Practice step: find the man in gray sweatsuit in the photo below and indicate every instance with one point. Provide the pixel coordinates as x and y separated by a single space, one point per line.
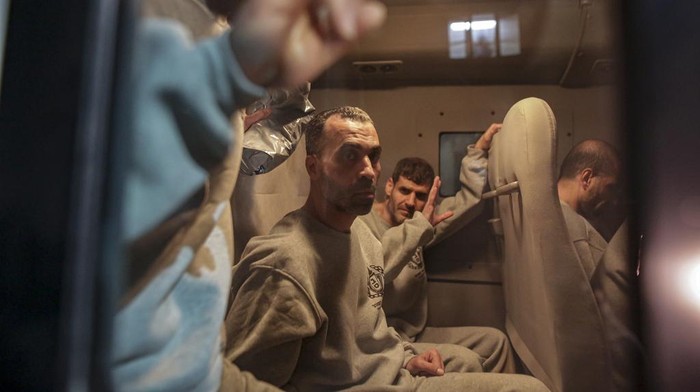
397 223
589 192
306 299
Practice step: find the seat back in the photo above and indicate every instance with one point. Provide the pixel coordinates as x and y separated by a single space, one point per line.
551 314
260 201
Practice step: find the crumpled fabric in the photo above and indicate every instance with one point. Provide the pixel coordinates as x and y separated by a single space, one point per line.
270 141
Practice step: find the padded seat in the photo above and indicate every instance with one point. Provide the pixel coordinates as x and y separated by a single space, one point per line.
261 201
552 316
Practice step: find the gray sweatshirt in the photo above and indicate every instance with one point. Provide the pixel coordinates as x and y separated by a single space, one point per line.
589 244
306 311
406 300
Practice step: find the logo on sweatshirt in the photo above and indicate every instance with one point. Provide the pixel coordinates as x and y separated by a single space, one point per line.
375 281
416 260
416 263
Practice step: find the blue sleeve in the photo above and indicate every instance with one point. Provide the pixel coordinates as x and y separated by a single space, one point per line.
174 120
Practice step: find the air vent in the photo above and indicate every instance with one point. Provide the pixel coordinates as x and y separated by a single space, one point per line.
377 67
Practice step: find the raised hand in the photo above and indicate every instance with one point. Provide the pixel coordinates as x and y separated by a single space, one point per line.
429 209
484 142
288 42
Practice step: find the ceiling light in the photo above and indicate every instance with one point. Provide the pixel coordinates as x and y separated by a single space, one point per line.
483 24
459 26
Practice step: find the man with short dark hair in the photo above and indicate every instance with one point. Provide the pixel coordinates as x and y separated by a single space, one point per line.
404 235
589 192
406 190
306 311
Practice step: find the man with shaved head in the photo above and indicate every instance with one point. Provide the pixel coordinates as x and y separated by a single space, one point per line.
589 191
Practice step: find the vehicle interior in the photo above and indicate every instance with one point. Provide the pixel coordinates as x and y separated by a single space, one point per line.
436 75
419 89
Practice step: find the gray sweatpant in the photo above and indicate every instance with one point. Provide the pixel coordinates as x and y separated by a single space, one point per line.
490 344
462 374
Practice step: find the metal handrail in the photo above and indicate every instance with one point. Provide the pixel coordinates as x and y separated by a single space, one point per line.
502 190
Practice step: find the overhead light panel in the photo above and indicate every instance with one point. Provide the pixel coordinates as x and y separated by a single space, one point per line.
460 26
484 36
483 24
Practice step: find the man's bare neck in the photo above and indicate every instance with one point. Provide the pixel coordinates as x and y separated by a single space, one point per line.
329 216
381 208
567 194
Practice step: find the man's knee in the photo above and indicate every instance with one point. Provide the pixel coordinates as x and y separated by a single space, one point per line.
529 383
487 382
507 383
495 336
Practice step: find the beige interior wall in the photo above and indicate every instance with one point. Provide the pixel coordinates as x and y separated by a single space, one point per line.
464 286
409 120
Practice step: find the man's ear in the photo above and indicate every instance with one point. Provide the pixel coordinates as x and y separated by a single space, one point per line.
585 178
389 187
312 167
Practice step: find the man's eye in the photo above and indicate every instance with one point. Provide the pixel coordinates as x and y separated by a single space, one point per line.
374 157
351 155
404 191
422 196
